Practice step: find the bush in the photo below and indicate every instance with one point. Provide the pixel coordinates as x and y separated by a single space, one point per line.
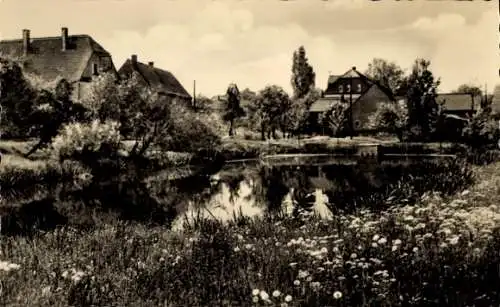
191 132
77 140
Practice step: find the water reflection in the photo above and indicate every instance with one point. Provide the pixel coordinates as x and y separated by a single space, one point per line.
251 189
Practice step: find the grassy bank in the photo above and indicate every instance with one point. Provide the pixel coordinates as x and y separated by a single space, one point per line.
441 251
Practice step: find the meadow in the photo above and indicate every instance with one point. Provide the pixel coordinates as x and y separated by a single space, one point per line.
440 251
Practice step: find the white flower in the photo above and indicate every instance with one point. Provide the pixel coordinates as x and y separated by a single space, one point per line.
288 298
337 295
396 242
255 292
296 282
382 241
376 237
255 299
236 249
276 293
324 250
454 240
264 296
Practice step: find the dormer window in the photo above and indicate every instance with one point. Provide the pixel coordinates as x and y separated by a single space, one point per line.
341 89
95 70
359 88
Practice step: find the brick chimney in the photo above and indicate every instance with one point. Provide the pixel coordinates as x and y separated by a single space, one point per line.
64 38
26 41
134 59
151 64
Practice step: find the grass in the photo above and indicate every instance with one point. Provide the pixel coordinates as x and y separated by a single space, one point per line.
442 251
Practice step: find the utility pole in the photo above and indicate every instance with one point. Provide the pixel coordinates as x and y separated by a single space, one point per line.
194 95
350 105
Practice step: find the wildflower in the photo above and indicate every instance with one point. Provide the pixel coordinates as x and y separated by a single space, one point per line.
292 264
324 250
277 244
303 274
315 284
354 256
309 278
7 266
236 249
248 246
288 298
46 291
415 249
454 240
337 295
296 282
374 245
264 296
276 293
255 299
382 241
161 259
255 292
376 237
394 248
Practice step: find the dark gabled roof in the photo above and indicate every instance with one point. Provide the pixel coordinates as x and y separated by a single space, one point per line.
47 59
353 73
458 101
156 78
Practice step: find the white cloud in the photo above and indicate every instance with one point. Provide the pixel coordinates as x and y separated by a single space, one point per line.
442 22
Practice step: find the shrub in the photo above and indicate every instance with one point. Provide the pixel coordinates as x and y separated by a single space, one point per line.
190 132
77 140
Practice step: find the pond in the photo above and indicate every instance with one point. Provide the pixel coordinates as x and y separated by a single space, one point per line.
326 186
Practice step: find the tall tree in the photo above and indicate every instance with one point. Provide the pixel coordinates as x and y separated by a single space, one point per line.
303 75
423 109
233 108
335 118
389 74
16 99
272 103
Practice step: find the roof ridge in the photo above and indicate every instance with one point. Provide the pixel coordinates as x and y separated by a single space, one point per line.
45 38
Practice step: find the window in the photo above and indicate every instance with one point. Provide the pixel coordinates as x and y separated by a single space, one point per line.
341 88
359 88
348 88
95 71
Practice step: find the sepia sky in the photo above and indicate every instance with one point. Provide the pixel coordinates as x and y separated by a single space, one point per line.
251 42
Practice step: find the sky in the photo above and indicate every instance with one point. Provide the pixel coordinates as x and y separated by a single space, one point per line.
251 42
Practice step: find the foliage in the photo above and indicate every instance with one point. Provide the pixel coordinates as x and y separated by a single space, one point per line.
303 75
390 117
423 110
469 89
85 140
388 74
189 131
54 107
233 109
335 118
482 130
17 98
272 103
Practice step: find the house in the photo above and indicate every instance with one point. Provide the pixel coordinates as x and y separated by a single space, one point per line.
352 88
76 58
155 78
459 104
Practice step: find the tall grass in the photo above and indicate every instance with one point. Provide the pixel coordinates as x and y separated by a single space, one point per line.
441 252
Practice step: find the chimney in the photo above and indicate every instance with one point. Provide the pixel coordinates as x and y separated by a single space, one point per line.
354 68
26 41
64 38
134 59
151 64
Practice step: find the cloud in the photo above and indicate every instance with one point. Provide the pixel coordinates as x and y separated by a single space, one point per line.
442 22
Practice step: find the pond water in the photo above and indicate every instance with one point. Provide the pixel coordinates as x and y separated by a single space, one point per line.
325 187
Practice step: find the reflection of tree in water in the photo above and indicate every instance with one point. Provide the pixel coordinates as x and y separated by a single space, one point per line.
303 197
268 188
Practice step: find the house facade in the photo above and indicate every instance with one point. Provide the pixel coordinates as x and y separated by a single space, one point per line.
356 91
76 58
159 80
